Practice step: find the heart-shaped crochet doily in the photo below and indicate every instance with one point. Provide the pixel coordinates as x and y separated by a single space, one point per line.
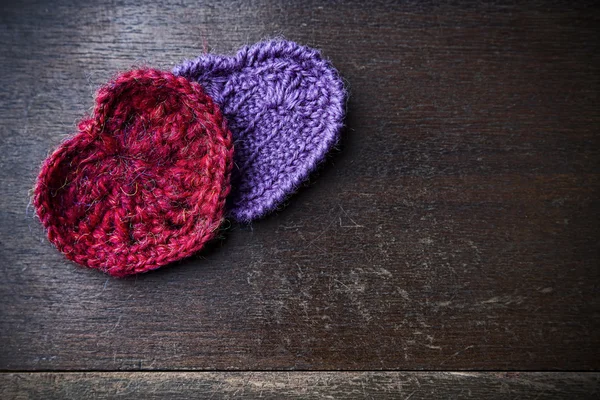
284 105
144 181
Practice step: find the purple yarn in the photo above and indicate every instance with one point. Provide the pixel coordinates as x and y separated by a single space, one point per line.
284 105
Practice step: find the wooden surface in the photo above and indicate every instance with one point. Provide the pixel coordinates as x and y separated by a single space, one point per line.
457 228
300 385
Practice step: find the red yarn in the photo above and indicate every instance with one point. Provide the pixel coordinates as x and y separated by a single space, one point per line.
144 181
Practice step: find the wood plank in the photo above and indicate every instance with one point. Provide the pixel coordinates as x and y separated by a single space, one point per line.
300 385
458 227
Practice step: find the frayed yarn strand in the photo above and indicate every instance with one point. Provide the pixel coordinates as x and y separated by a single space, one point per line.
144 181
285 107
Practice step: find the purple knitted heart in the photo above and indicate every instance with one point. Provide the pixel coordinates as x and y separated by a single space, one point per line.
284 105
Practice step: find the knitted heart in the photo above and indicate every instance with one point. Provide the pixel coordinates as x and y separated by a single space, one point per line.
284 105
144 181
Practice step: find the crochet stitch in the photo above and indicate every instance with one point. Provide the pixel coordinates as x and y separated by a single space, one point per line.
144 182
284 105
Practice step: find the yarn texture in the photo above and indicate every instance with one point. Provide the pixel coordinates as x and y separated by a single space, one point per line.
285 107
144 181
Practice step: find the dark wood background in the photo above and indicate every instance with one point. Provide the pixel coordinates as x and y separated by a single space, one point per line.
457 229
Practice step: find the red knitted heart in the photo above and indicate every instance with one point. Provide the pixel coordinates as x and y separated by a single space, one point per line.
144 181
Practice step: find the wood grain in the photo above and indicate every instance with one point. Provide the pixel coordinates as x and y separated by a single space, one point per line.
300 385
457 228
